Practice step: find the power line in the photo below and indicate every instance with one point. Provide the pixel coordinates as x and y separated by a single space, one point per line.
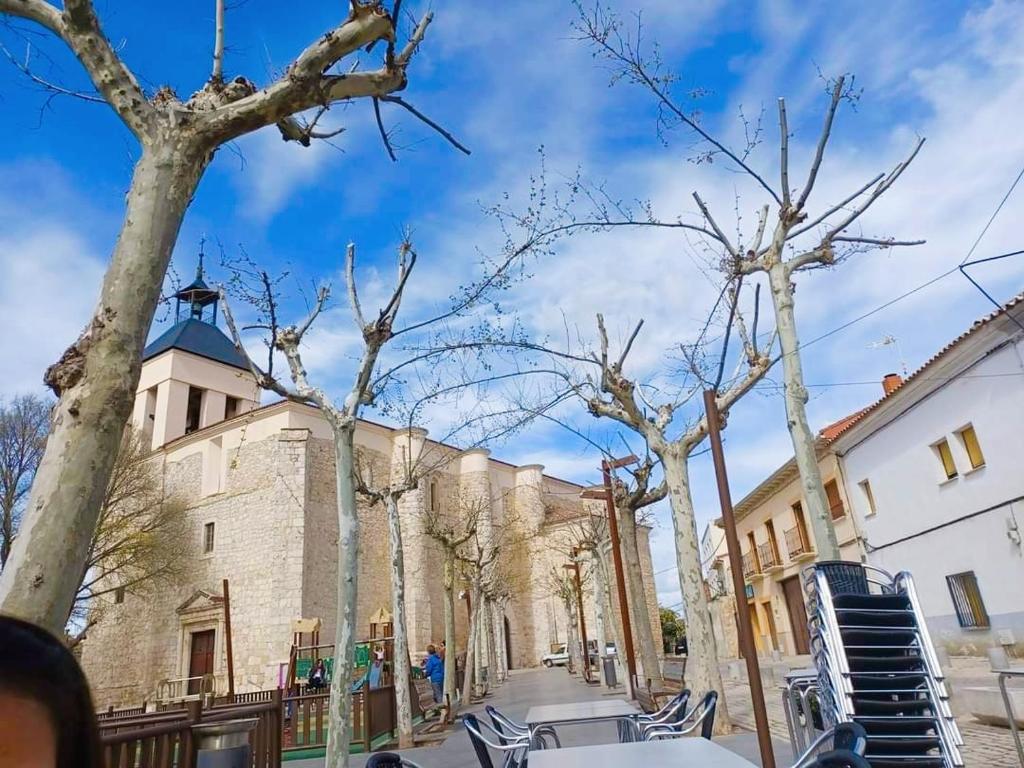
995 213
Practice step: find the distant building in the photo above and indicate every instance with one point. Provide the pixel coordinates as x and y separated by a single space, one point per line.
935 471
777 541
259 483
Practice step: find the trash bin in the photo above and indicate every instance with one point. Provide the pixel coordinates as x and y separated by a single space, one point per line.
609 671
224 744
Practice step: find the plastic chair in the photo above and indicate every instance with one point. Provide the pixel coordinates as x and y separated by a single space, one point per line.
389 760
515 750
845 737
504 723
702 715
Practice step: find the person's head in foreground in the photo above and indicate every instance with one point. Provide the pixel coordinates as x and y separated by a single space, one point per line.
46 714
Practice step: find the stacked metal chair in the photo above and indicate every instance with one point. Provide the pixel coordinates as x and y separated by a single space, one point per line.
877 666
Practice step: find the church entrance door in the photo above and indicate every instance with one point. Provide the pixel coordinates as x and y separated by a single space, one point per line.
200 658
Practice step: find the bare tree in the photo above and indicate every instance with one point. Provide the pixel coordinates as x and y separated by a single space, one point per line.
24 424
141 541
563 587
798 240
630 499
96 378
452 532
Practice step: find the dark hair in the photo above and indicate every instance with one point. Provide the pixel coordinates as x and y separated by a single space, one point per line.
36 665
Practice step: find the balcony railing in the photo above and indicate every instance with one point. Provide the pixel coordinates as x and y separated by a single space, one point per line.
749 564
796 543
766 554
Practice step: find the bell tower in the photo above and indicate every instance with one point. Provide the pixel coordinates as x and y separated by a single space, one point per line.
192 375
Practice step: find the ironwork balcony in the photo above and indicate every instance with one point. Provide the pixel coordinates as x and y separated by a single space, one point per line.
797 545
749 565
769 560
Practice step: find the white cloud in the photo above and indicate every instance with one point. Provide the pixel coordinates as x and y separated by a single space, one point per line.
52 272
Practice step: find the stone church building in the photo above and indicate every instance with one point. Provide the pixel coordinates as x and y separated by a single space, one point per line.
259 485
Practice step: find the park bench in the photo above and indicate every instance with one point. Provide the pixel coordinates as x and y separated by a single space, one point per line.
651 698
425 697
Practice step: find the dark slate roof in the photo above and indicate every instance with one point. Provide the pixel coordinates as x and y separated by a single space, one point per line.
199 338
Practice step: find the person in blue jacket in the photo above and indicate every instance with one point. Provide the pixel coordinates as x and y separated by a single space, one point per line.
434 671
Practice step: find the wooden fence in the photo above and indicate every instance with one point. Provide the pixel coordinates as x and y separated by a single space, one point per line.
306 716
165 739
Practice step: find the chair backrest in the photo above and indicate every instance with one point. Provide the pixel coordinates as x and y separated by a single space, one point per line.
384 760
473 729
839 758
682 700
496 717
844 578
851 737
709 705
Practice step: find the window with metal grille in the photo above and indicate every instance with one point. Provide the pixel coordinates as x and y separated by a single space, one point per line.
208 532
970 608
969 440
119 595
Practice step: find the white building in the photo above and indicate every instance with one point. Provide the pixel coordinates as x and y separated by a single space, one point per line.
935 474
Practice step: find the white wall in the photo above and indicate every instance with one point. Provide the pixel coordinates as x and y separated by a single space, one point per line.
912 495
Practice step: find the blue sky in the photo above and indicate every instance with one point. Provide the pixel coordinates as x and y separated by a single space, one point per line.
506 81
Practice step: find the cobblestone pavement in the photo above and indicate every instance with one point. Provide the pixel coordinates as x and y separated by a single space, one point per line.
984 746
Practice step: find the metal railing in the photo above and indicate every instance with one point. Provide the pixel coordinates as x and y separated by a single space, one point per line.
749 564
1011 715
766 554
796 542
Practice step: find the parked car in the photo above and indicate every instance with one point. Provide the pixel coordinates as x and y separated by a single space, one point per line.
559 657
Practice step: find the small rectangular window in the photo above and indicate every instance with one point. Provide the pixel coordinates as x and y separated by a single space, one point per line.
970 608
230 407
945 455
435 497
194 409
208 533
119 595
835 501
869 497
969 440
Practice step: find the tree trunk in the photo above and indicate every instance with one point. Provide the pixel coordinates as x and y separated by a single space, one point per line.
491 646
339 734
96 379
403 696
702 670
495 642
804 448
637 596
471 641
572 644
599 618
450 678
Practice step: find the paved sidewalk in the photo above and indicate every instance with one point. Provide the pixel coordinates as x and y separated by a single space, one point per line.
984 745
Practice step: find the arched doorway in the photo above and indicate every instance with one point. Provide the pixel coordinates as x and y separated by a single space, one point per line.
508 643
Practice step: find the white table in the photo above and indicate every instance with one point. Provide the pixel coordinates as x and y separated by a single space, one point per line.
603 710
679 753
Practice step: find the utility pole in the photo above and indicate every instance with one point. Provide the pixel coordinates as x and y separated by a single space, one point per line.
764 737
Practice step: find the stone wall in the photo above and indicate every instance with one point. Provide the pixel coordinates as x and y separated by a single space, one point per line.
258 543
